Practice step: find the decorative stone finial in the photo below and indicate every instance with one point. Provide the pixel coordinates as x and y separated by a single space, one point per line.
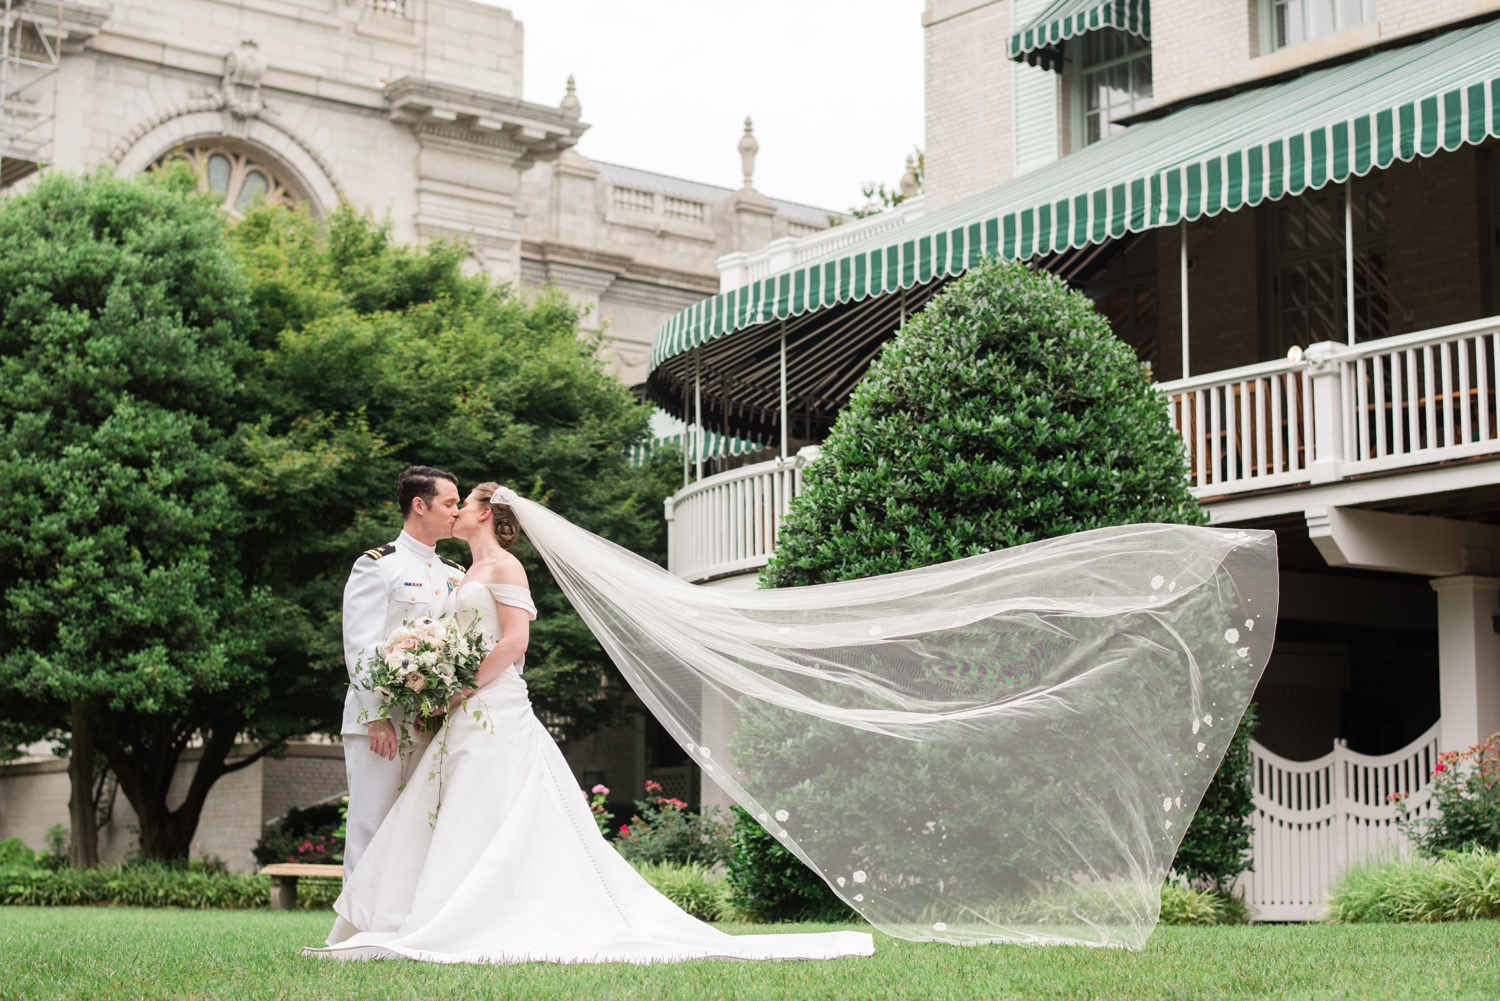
748 148
240 91
245 65
909 179
570 105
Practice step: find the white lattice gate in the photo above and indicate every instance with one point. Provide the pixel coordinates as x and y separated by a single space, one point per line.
1314 818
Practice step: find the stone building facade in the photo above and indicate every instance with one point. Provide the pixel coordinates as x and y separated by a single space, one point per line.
634 247
411 110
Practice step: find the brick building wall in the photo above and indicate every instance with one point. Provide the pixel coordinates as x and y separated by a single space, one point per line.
1433 259
1208 44
969 114
34 796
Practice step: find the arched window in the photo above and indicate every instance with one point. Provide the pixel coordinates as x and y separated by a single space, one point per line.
241 178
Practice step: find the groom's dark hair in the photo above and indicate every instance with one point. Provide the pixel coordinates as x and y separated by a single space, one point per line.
419 481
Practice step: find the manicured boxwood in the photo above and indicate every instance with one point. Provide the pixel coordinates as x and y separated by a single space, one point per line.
769 883
1004 413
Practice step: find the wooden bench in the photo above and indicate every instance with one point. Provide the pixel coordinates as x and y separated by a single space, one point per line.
284 876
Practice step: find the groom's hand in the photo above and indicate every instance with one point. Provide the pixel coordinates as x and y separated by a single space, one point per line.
383 738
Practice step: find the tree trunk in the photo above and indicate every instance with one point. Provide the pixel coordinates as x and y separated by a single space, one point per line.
146 780
83 817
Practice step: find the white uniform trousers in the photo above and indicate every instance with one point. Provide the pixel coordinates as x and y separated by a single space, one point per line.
374 784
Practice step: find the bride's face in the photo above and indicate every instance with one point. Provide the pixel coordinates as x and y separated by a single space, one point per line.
474 516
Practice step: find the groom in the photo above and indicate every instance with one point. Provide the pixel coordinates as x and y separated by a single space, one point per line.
401 581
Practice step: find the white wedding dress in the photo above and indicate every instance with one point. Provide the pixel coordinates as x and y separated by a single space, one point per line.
513 868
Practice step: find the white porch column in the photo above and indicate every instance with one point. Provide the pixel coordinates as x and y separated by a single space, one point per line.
1328 411
1468 658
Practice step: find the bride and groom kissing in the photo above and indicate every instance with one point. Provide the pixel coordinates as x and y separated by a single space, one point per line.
513 868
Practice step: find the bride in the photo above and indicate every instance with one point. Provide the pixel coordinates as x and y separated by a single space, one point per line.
491 855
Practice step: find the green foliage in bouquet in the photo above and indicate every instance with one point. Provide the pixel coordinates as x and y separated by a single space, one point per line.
311 835
1466 801
769 883
419 669
666 830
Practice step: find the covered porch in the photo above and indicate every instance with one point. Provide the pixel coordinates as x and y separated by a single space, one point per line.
1310 273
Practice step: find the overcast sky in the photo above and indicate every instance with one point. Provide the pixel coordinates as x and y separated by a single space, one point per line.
834 86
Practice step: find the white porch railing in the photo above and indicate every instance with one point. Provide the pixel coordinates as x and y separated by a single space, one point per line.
726 524
744 267
1341 411
1314 818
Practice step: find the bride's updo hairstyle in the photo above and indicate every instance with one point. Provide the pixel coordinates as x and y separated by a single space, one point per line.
502 519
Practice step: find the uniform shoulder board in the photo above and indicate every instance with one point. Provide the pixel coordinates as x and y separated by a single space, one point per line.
457 566
385 550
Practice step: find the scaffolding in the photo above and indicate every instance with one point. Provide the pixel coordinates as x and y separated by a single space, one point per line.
31 37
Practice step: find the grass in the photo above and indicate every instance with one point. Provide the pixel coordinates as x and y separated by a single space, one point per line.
60 952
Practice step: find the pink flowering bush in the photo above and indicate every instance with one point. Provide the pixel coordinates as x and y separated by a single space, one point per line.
665 829
597 797
1466 794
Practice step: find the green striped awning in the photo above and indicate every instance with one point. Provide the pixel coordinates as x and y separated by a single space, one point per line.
668 430
1283 139
1040 42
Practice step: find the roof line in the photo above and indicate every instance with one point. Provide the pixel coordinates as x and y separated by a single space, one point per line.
728 192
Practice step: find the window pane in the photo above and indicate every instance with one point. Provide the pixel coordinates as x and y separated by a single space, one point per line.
218 173
1296 22
252 191
1319 17
1142 74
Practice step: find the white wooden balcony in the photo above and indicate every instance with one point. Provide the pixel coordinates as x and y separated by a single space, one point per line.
725 525
1340 411
1331 415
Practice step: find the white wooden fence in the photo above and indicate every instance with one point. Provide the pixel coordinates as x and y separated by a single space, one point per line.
1342 410
1314 818
726 524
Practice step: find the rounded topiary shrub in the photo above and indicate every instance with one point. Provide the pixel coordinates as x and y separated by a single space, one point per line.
1003 413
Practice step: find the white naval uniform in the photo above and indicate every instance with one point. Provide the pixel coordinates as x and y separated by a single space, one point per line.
397 583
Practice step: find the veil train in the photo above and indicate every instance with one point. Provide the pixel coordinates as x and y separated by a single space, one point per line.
1008 747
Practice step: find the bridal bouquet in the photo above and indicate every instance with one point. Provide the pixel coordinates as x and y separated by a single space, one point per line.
420 668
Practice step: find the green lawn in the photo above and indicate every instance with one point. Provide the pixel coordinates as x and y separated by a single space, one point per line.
129 953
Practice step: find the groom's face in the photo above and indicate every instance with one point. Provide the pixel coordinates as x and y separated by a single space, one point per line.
438 513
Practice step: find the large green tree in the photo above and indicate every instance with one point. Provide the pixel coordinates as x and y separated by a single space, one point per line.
200 427
125 623
377 355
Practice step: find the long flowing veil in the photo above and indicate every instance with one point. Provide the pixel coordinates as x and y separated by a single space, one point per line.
1003 748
